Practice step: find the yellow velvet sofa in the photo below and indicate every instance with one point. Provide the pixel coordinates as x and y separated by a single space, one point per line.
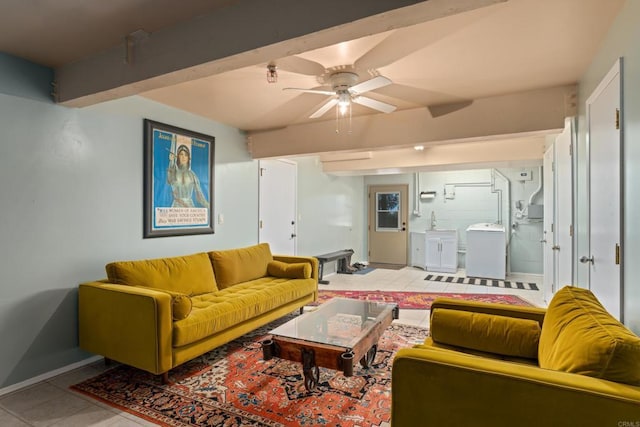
496 365
157 314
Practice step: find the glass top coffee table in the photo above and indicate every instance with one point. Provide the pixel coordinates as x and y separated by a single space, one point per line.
332 336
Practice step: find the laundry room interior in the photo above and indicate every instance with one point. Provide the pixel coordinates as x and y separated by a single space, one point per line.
486 204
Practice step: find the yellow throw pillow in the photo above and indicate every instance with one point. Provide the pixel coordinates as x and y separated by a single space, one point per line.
490 333
581 337
181 306
191 274
298 270
235 266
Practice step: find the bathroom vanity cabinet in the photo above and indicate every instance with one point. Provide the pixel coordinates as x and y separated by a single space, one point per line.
441 250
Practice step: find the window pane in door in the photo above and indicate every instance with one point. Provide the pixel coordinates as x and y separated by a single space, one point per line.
388 211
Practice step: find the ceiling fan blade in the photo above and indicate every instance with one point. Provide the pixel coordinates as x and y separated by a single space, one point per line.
372 103
326 107
371 84
418 95
441 110
298 65
321 92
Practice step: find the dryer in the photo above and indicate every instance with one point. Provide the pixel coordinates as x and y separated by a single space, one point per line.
486 255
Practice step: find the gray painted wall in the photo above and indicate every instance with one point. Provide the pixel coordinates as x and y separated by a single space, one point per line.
620 42
71 190
25 79
71 184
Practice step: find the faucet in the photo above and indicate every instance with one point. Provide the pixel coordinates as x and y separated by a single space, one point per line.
433 220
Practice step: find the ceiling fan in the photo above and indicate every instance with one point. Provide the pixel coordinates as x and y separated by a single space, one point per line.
347 90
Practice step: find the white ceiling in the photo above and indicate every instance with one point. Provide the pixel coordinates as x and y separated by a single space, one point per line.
508 47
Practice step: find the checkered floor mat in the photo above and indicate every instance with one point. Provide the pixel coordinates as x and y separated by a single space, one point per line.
483 282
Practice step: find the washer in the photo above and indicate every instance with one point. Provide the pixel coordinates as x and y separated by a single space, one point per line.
486 251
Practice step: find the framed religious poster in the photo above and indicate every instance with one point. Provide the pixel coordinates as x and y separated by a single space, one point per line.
178 181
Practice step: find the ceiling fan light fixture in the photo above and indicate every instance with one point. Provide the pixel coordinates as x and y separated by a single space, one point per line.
344 102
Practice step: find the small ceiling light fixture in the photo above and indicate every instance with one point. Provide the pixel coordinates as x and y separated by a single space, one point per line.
418 147
343 108
272 73
344 102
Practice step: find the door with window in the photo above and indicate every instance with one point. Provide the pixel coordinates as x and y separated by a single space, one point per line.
388 234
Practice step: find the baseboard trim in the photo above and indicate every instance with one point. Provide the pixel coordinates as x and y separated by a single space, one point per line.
48 375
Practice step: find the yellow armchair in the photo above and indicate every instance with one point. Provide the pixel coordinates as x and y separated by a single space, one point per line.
456 379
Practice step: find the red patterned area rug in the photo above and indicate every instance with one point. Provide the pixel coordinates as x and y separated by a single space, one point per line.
419 300
233 386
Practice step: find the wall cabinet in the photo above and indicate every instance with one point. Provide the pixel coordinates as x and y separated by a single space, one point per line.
441 250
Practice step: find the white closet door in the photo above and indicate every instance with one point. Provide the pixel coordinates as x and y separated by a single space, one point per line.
278 179
603 119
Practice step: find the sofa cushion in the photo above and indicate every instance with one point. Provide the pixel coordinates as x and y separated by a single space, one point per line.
190 275
217 311
432 345
235 266
296 270
490 333
580 336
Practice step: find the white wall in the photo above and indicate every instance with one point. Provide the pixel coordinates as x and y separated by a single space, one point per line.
621 41
338 203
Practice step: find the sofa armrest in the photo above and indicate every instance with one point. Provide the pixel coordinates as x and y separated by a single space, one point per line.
521 312
128 324
438 387
295 259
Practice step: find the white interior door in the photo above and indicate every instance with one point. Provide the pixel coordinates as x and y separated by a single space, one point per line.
278 205
548 239
604 143
563 231
558 213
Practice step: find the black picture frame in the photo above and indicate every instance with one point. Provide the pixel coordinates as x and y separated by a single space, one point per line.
178 181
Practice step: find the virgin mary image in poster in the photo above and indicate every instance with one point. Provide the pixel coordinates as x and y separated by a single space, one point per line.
182 172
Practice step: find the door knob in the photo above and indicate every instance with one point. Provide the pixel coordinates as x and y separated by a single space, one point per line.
584 259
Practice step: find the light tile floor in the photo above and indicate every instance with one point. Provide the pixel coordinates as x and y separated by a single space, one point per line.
51 403
412 279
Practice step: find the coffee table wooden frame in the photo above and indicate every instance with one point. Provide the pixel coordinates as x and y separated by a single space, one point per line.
314 354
